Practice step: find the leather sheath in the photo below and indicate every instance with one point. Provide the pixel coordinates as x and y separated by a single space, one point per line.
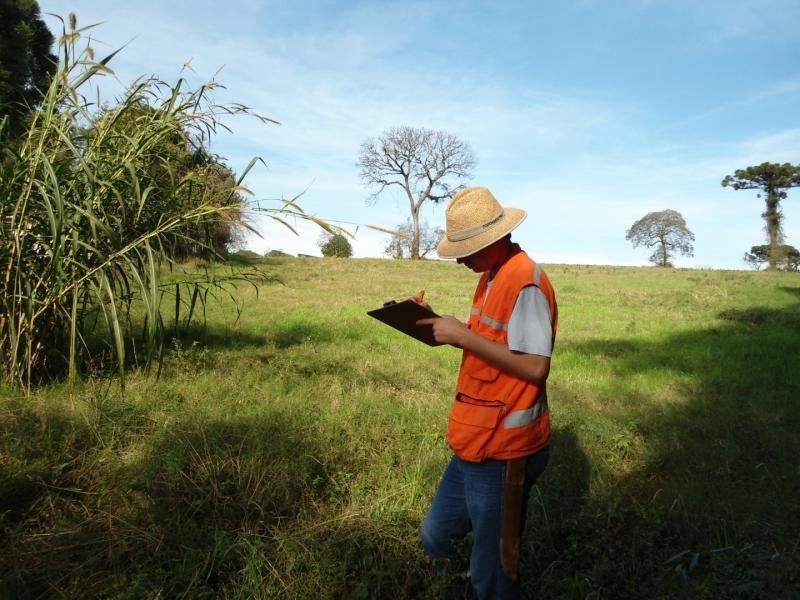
512 516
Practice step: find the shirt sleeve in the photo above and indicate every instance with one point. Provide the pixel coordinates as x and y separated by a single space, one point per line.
530 329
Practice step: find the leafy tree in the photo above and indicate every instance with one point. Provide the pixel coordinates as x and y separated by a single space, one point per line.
213 182
425 164
400 245
26 63
184 166
773 180
335 244
787 258
666 232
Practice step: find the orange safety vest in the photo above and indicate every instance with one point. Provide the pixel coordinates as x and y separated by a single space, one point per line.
495 414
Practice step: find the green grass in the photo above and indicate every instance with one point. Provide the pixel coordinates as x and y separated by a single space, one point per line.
291 451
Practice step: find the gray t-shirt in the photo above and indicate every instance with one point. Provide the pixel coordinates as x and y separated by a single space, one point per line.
530 329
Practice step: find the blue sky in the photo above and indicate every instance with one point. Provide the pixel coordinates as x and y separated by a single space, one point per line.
587 114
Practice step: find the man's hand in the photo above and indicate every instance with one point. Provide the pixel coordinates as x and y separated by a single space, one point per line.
420 299
447 329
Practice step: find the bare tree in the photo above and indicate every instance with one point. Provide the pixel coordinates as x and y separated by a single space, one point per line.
425 164
666 231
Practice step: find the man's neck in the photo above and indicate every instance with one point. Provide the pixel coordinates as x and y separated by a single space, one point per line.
504 252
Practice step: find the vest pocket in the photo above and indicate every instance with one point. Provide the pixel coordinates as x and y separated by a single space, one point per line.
470 427
479 369
487 373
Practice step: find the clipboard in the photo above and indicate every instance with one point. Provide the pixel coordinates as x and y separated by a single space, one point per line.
403 316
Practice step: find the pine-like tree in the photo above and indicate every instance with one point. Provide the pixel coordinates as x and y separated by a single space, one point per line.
26 61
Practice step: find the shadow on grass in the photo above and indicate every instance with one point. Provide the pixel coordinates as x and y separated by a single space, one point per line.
299 332
35 448
194 347
214 337
715 508
362 557
559 498
181 516
214 508
282 335
795 291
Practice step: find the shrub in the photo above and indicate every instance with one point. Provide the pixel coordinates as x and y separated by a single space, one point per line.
276 254
335 245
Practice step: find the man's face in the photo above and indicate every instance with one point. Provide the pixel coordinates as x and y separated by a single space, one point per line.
481 261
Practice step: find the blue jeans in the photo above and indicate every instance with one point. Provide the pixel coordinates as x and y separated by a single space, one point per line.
470 498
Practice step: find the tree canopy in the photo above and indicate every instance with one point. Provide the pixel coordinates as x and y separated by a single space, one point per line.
772 179
666 232
786 259
424 164
184 173
335 245
26 62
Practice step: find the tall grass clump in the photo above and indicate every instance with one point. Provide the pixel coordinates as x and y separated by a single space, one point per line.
93 204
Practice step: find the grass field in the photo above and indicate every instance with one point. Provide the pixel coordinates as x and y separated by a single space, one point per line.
292 450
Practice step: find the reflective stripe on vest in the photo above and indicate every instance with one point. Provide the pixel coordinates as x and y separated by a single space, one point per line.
520 418
499 325
494 324
496 414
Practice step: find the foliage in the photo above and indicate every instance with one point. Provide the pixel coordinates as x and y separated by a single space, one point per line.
293 452
786 259
424 164
666 232
183 157
92 204
244 257
335 245
399 246
276 254
26 63
772 179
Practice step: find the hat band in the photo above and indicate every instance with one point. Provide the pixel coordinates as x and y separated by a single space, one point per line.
464 234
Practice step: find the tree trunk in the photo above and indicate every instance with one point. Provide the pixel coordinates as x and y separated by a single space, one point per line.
773 219
415 234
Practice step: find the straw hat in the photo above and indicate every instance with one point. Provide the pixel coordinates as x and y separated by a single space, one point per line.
475 220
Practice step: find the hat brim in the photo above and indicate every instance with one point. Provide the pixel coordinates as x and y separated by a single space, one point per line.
511 218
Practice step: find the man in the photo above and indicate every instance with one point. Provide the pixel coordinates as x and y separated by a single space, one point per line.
499 425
